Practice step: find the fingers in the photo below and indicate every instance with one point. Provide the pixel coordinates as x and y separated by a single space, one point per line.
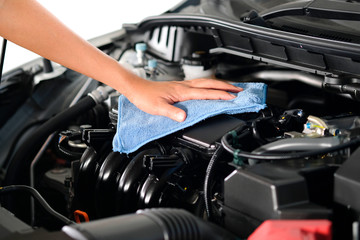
212 84
205 94
168 110
172 112
158 97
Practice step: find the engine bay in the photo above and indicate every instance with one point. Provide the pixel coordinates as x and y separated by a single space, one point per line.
295 159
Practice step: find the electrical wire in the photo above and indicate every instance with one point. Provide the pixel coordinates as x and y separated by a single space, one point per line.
39 198
207 182
286 156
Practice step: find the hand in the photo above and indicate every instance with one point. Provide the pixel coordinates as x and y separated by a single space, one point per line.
157 97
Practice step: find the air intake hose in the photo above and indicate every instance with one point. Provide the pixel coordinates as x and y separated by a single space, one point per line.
153 224
53 124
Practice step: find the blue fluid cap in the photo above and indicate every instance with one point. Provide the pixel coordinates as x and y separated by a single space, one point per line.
141 47
152 63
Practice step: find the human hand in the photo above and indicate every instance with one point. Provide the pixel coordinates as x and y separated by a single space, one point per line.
157 98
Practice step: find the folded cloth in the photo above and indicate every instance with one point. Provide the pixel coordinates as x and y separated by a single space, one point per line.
135 128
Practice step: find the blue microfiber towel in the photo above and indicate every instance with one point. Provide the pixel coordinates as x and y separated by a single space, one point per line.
135 128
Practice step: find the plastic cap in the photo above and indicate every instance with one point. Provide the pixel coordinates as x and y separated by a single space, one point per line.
152 63
140 47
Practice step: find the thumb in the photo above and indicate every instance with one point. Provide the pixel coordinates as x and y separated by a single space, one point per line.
172 112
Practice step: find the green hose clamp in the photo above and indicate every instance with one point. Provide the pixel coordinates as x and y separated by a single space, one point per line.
238 160
234 138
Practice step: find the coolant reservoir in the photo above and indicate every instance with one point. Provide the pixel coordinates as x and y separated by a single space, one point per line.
199 65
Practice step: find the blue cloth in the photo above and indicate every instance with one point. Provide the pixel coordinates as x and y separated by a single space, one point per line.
135 128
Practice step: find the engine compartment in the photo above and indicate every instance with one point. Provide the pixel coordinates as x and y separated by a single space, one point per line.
235 171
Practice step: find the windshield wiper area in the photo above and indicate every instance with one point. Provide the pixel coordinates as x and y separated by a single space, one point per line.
324 9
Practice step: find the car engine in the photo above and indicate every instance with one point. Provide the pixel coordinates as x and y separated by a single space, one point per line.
295 159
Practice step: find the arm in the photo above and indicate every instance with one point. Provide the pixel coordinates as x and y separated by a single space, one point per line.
28 24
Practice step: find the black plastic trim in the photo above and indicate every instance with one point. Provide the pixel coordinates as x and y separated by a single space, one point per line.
296 50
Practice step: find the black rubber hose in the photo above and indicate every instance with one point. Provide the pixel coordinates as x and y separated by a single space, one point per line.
59 121
153 224
285 156
18 136
256 132
39 198
3 51
47 66
208 180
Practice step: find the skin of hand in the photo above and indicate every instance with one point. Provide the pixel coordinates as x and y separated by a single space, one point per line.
28 24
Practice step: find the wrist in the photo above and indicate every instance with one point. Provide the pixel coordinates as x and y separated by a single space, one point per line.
127 83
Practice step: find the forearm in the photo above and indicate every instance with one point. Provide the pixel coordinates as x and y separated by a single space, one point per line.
28 24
